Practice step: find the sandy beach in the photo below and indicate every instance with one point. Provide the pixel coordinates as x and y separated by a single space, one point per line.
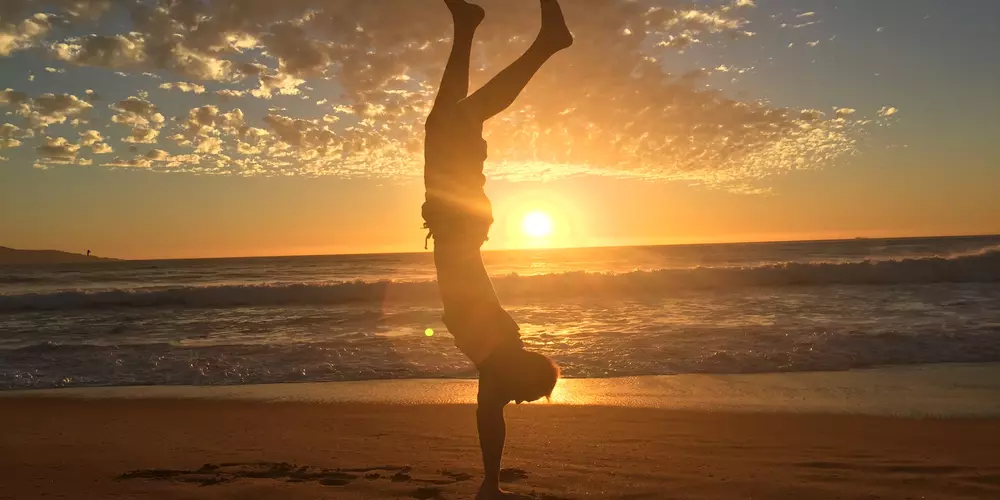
197 448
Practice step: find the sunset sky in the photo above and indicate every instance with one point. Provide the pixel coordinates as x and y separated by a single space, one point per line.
209 128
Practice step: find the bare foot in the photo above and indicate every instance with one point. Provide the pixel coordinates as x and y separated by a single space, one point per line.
466 14
555 35
495 493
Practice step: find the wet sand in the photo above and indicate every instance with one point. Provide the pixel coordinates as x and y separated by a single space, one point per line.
238 449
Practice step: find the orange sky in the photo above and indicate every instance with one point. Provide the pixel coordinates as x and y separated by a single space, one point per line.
729 121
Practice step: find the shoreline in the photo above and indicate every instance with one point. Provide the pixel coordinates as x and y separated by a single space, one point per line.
915 391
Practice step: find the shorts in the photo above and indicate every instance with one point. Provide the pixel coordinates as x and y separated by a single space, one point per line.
448 226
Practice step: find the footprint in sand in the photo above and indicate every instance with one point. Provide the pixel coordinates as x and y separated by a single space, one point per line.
513 475
426 493
213 474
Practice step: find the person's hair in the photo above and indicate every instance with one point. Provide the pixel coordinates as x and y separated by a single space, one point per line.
530 376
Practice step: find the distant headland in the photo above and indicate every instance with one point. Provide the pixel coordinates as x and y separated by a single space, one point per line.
11 256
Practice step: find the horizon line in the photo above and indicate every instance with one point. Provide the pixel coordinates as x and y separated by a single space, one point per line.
555 248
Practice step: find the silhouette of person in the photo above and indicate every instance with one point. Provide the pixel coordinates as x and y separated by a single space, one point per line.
88 253
458 216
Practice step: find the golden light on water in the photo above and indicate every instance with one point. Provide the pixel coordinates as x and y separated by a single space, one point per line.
537 224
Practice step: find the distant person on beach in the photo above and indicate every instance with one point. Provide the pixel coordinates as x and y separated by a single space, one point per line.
88 253
458 216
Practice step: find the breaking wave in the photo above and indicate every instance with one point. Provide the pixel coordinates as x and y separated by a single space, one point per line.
979 267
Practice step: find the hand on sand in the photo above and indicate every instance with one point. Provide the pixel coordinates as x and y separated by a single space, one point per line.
466 14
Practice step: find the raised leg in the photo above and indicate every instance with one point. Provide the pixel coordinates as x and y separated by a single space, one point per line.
455 82
501 92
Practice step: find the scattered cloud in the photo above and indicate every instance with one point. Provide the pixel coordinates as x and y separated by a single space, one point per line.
811 115
193 88
845 112
58 149
887 111
107 51
157 155
8 136
50 109
142 135
227 94
94 140
10 96
143 118
24 35
349 84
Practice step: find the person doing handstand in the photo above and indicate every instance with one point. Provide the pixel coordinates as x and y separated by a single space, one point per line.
458 216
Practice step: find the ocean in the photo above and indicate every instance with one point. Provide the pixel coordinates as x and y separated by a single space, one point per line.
604 312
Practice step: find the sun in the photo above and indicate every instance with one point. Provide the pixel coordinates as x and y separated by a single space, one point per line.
537 225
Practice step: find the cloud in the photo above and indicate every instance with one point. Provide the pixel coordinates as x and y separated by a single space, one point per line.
157 155
800 25
50 109
281 83
298 53
138 162
8 136
707 21
25 34
227 94
136 111
138 50
94 140
372 69
142 135
57 149
811 114
301 133
209 121
844 112
887 111
10 96
87 9
193 88
142 116
679 42
108 51
209 145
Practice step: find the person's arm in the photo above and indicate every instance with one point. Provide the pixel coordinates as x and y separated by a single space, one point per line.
492 436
